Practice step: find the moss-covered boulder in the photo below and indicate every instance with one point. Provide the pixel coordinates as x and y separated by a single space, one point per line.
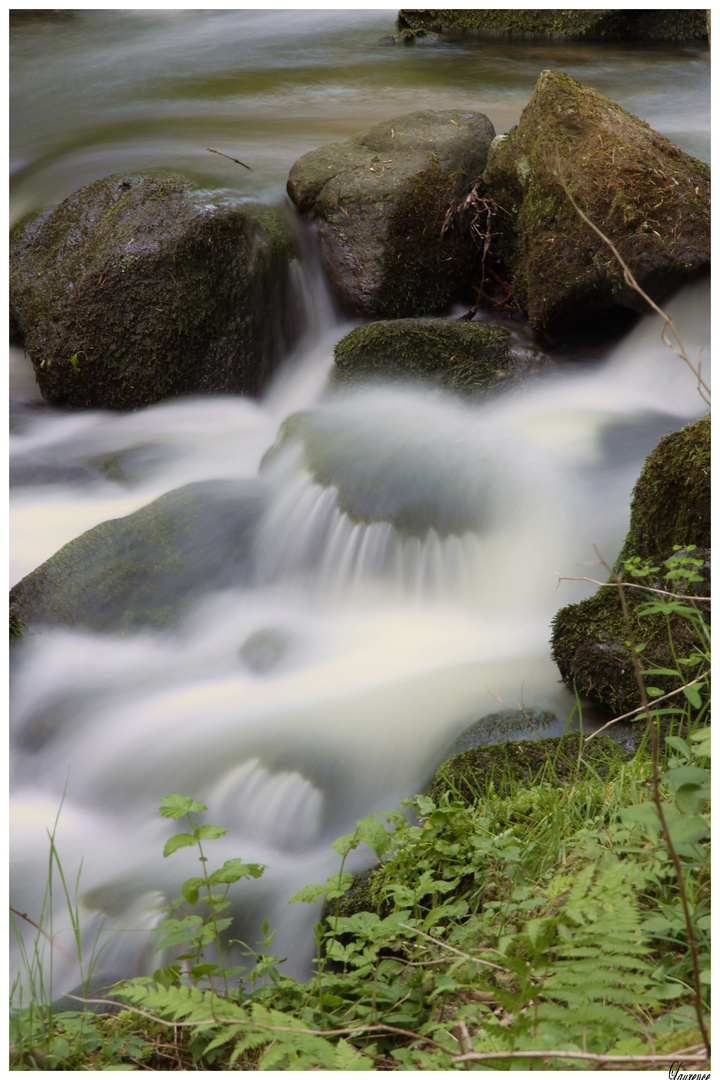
381 200
647 196
470 774
670 506
145 569
454 354
671 500
591 24
137 288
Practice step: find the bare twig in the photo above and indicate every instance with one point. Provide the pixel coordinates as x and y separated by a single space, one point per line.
450 948
690 1056
633 585
678 348
656 701
228 156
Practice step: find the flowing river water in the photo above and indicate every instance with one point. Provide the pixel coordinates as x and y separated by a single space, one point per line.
333 676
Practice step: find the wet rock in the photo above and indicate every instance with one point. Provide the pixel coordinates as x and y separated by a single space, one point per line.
647 196
147 568
591 24
670 506
505 724
453 354
406 36
381 201
138 288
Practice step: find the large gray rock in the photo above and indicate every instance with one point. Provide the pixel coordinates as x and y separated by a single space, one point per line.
145 569
138 288
647 196
381 201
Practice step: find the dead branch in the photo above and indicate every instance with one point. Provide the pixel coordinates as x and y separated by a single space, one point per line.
228 156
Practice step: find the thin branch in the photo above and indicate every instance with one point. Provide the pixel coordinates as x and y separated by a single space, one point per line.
229 1021
678 348
222 154
656 701
633 585
690 1055
450 948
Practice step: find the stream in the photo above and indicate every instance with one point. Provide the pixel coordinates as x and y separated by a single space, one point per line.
331 680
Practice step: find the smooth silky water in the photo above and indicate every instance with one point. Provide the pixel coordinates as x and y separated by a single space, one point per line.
385 612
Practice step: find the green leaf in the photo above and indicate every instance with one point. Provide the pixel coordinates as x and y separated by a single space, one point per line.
692 799
335 887
679 745
373 833
692 693
345 844
688 830
210 832
199 970
177 806
234 869
686 774
180 840
191 888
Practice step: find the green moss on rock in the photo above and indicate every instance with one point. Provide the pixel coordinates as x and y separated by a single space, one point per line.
592 24
649 197
504 766
456 355
135 289
145 569
671 500
423 269
670 505
17 626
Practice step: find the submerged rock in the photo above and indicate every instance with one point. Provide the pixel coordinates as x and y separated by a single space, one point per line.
590 24
454 354
647 196
670 506
381 201
499 726
145 569
136 289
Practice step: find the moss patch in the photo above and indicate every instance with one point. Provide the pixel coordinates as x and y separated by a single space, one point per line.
670 505
671 500
422 268
456 355
470 774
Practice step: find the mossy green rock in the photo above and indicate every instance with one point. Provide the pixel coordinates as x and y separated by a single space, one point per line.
671 499
137 288
381 201
592 24
454 354
647 196
145 569
470 774
670 505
